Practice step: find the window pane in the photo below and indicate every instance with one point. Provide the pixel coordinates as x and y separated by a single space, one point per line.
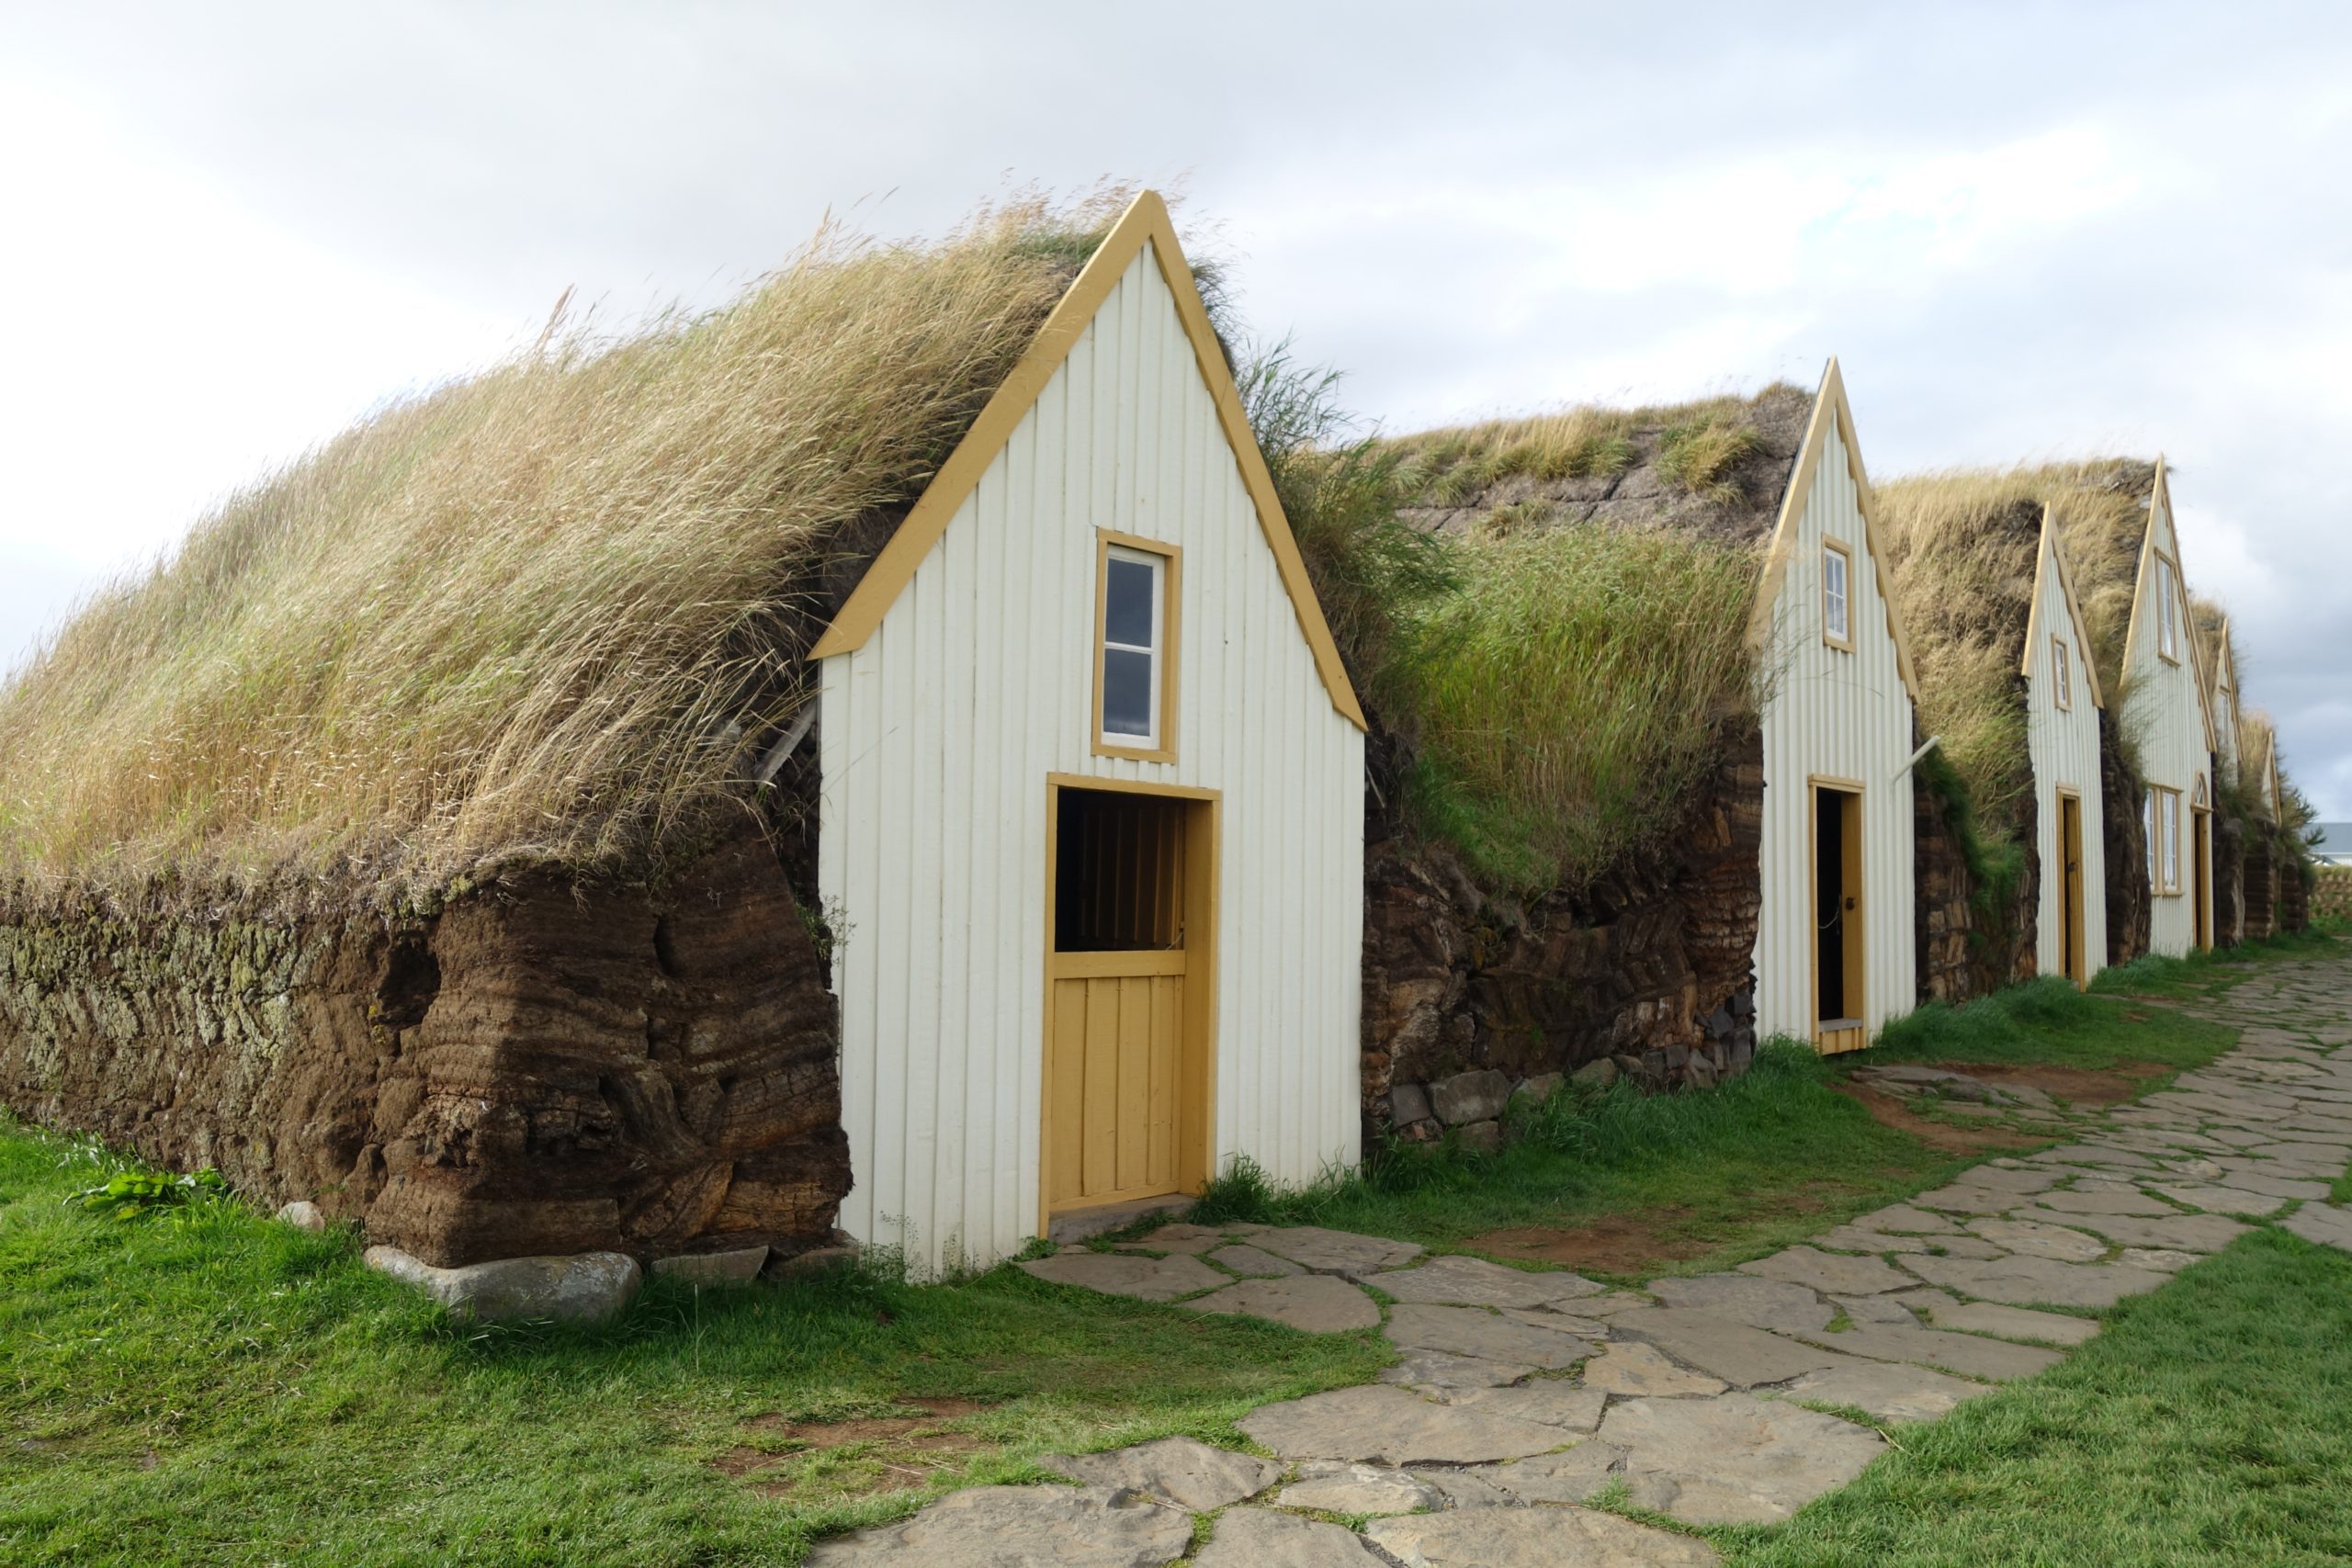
1833 566
1128 602
1126 693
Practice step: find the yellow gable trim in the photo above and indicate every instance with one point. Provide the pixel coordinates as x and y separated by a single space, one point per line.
2160 501
1145 222
2052 556
1830 411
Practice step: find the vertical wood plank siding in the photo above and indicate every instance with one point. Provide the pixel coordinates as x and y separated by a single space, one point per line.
2063 745
937 736
1835 715
2161 709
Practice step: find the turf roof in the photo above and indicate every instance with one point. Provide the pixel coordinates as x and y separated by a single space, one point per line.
1715 468
551 612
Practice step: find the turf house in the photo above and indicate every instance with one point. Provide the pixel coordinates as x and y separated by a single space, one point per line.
1659 739
2130 553
873 740
2012 848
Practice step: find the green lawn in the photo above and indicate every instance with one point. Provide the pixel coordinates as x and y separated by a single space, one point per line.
216 1389
2210 974
2212 1423
221 1389
1770 1157
2048 1022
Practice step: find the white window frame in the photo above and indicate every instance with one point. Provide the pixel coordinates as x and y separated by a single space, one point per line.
2167 611
1842 636
2062 669
1166 563
2148 834
2164 842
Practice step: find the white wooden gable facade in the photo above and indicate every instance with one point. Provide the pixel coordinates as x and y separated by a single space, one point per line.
2063 701
969 708
2168 708
1837 752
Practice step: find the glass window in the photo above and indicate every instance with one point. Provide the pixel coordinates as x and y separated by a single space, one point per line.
2172 840
2065 675
1836 618
1135 620
2167 616
2148 834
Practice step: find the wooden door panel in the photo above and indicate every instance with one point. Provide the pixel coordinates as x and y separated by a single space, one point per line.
1117 1039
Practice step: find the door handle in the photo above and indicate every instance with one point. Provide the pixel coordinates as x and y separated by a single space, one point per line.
1849 903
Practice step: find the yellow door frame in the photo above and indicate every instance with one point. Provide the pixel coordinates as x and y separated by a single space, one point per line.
1854 915
2073 943
1196 1061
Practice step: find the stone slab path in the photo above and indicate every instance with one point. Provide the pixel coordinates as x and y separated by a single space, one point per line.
1715 1399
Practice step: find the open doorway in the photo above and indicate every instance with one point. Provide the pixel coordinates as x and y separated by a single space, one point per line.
1838 968
1130 995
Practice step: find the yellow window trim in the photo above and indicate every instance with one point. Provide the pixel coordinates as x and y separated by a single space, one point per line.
1843 552
1145 222
2062 667
2164 799
1172 598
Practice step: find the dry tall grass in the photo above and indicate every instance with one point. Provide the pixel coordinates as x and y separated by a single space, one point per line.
1962 546
1570 699
552 610
1698 443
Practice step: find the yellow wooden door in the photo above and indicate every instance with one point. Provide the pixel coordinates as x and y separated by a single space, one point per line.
2070 846
1118 1039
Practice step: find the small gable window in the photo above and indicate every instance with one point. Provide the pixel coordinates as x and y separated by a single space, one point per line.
2062 673
1135 648
2168 611
1837 595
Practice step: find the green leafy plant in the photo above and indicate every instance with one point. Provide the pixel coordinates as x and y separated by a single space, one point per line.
141 1194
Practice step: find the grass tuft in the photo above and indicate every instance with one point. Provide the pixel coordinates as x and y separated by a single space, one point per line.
1572 695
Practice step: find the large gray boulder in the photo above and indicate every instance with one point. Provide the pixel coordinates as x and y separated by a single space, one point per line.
1470 1097
586 1287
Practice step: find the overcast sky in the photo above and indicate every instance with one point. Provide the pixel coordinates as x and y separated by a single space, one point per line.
2027 232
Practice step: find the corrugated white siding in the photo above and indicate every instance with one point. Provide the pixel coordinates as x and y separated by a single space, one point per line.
2064 744
2161 709
937 737
1837 714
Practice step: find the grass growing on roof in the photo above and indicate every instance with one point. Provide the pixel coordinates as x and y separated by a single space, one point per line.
552 609
1570 698
219 1388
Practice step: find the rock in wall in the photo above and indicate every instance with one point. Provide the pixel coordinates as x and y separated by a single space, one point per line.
2125 840
1969 944
1649 967
535 1067
2228 880
2260 883
2294 898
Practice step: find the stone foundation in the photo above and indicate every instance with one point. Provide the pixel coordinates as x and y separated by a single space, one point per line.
2228 880
1968 947
537 1068
2261 881
1648 970
2125 841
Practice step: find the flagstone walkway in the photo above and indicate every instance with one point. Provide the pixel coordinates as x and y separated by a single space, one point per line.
1521 1394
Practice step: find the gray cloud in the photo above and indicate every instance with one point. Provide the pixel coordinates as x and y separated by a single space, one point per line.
2026 229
